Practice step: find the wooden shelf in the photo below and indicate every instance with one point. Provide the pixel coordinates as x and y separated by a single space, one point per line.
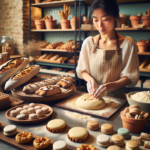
144 70
54 30
16 56
143 53
56 50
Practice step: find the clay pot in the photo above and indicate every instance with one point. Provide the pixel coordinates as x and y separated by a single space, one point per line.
133 125
121 20
37 1
86 22
65 24
142 46
50 24
135 20
146 20
39 24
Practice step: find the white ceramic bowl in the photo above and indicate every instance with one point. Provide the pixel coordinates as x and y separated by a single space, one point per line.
144 106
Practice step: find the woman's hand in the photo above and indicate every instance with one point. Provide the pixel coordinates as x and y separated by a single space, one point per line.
91 87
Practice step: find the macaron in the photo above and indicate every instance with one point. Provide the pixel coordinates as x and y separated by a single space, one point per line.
132 145
37 107
32 116
26 107
114 147
45 110
32 104
107 128
39 112
10 130
93 125
60 145
21 117
14 113
24 112
103 140
117 140
124 132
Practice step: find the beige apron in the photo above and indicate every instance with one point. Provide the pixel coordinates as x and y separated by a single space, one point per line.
105 67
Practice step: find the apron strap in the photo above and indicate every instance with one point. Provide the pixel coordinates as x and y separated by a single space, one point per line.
96 44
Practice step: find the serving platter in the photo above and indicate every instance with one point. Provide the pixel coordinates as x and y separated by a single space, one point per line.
17 92
27 121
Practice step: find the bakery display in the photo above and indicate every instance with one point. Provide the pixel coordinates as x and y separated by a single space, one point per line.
103 140
124 132
137 139
132 145
31 88
93 125
41 142
21 77
56 125
4 99
60 145
12 66
78 134
114 147
23 137
107 128
10 130
118 140
89 102
86 147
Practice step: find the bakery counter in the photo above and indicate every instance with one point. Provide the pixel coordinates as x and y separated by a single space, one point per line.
40 128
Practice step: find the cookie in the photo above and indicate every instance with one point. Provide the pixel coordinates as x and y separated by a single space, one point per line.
21 117
56 125
124 132
146 115
10 130
24 112
37 107
107 128
60 145
132 145
128 115
114 147
45 110
19 109
145 136
32 116
26 107
103 140
78 134
32 105
14 113
31 110
39 112
134 106
135 111
117 139
93 125
126 110
137 139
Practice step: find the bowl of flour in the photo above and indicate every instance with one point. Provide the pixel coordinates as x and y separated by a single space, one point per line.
141 99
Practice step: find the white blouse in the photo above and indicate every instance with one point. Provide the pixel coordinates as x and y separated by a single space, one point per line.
130 62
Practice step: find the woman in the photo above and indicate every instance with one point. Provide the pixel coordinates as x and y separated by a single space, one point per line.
108 61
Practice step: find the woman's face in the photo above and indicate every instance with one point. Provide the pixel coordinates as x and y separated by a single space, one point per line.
103 22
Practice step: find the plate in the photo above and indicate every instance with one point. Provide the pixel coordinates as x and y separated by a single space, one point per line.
17 92
27 121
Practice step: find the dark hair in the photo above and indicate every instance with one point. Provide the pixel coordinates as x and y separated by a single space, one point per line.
109 6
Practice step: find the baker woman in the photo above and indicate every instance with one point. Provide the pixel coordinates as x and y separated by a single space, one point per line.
108 61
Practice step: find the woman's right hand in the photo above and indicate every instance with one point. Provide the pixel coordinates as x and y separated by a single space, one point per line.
91 87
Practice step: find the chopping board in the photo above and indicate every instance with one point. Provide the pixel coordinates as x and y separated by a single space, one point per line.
112 106
29 146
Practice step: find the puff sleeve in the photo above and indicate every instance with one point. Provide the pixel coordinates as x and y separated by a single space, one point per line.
130 62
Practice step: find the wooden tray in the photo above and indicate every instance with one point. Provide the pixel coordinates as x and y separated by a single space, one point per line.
95 113
27 121
13 102
29 146
35 98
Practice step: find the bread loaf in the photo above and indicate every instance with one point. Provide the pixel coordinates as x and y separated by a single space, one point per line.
31 88
21 77
4 99
12 66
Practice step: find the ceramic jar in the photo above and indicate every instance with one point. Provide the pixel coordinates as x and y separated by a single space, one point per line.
142 46
39 24
50 24
135 20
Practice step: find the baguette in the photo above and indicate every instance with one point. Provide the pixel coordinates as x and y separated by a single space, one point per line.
31 88
43 56
11 67
21 77
48 90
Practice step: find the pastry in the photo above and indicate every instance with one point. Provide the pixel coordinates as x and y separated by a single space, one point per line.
65 82
10 130
60 145
78 134
49 56
21 77
93 125
57 69
60 59
132 145
39 112
37 107
32 116
24 112
124 132
137 139
11 67
71 71
134 109
54 45
117 140
114 147
21 117
4 99
32 105
86 147
43 56
41 142
19 109
107 128
26 107
31 110
103 140
146 144
55 57
45 110
24 137
31 88
145 136
48 90
14 113
56 125
89 102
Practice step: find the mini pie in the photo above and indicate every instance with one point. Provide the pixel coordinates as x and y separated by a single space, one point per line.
24 137
56 125
86 147
78 134
41 142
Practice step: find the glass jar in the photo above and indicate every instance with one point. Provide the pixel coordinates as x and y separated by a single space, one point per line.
7 44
